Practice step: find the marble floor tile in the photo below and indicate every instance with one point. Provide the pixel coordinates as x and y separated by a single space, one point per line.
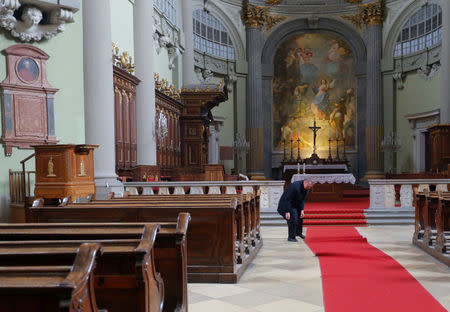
216 306
286 277
288 305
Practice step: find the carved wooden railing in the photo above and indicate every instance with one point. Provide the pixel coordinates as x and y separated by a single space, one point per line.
20 183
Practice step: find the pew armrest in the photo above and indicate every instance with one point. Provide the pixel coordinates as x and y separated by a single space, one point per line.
183 222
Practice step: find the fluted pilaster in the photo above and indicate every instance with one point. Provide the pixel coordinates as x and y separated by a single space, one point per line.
374 115
445 61
255 160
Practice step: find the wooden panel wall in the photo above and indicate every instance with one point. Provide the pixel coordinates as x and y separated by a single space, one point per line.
168 148
125 121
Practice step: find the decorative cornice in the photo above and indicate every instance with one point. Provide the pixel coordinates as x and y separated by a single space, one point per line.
369 14
255 16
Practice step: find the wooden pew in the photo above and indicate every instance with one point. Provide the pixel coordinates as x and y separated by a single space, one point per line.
250 202
35 288
432 232
429 217
247 221
442 222
210 240
419 228
126 278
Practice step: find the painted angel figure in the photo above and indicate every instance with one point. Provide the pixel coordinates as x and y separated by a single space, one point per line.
321 100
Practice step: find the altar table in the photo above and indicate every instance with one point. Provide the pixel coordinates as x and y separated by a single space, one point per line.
327 187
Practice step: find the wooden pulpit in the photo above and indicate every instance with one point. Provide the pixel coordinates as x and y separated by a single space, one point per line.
198 100
64 170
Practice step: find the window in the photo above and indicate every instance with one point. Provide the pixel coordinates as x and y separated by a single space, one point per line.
422 30
211 37
168 8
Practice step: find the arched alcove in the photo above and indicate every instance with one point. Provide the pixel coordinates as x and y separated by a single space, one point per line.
330 27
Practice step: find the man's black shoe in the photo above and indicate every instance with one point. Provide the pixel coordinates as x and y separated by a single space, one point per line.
292 240
301 236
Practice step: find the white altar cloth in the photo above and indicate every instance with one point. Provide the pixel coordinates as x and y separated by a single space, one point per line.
331 166
326 178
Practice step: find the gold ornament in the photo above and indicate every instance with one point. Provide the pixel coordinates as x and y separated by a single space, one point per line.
82 170
369 14
50 168
255 16
124 60
273 2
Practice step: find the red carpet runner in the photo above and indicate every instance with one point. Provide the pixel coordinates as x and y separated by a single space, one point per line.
348 212
359 277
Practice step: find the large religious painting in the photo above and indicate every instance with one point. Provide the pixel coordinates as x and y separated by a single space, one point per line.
314 80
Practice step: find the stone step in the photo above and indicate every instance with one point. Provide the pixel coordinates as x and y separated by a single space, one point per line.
389 215
390 222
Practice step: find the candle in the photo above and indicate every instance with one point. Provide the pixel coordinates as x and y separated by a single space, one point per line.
298 167
304 168
337 135
298 134
284 133
329 134
343 135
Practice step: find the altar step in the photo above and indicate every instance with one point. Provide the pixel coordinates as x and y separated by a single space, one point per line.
387 217
348 219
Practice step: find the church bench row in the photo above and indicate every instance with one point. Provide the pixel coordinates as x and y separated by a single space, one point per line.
142 268
211 239
34 287
432 223
251 206
247 212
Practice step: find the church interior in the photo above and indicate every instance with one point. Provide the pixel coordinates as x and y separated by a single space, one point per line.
148 145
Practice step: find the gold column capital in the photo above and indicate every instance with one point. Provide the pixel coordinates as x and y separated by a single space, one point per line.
256 16
369 14
273 2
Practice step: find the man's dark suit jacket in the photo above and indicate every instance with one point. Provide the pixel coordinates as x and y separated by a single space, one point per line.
293 198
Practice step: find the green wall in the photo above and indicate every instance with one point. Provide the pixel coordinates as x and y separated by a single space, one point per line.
162 65
65 72
226 135
122 25
418 96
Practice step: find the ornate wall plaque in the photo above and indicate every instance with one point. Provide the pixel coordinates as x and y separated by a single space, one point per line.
27 99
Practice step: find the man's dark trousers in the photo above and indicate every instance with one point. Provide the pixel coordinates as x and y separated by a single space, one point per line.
295 224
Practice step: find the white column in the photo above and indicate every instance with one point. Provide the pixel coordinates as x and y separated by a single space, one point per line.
98 93
188 55
213 145
445 61
145 93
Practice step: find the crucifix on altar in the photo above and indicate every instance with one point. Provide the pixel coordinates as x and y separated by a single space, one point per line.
314 156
